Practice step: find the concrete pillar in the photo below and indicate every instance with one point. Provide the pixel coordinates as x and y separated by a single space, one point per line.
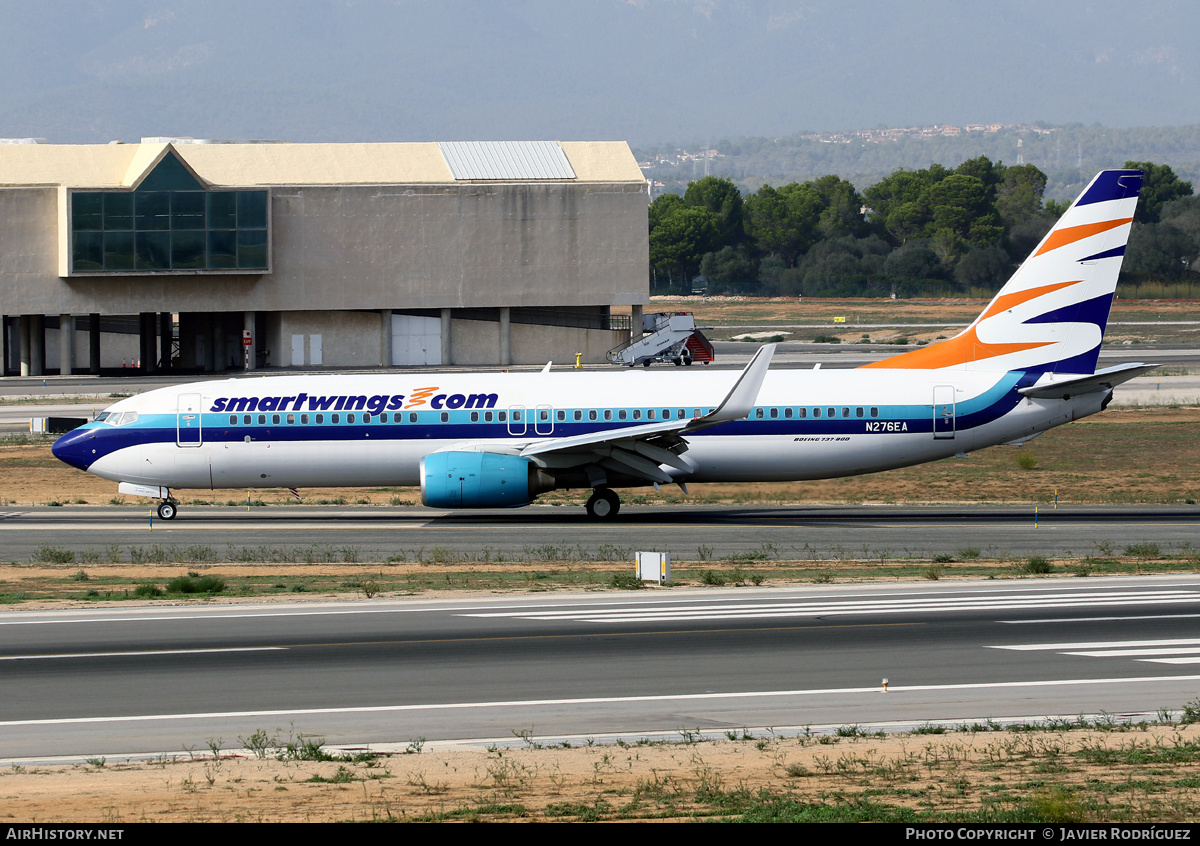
94 343
505 336
635 321
26 344
446 347
166 339
66 344
216 355
250 352
37 345
146 343
385 338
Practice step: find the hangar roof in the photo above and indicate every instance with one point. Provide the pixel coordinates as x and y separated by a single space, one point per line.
247 164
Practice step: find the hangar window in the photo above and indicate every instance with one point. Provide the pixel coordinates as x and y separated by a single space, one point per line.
169 222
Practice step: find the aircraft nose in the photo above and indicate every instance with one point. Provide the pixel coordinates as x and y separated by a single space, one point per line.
76 448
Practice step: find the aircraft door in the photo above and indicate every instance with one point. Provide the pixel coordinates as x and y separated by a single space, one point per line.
943 411
516 420
188 431
543 421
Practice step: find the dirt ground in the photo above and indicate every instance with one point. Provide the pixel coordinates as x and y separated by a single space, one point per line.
960 774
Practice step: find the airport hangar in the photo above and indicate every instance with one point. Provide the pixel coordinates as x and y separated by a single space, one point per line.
205 256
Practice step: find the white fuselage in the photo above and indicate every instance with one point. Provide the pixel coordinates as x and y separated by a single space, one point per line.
319 431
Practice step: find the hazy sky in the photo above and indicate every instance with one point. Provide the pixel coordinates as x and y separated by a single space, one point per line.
646 71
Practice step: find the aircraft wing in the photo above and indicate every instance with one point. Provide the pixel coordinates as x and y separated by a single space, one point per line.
640 450
1101 380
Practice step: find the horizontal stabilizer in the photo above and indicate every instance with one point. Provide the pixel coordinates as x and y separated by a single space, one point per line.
1101 380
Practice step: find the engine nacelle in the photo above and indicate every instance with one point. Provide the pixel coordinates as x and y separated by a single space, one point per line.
480 480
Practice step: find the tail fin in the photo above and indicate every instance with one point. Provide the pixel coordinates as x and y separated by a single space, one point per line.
1051 315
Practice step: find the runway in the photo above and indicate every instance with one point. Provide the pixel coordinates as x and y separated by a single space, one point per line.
529 534
105 682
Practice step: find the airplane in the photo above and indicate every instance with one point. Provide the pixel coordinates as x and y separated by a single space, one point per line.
488 440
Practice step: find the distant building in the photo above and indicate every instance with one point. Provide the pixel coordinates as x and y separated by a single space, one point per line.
332 255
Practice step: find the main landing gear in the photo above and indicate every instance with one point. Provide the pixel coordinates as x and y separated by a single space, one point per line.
167 510
603 504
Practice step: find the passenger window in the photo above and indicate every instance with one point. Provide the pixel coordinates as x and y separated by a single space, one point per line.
874 411
274 419
349 418
833 412
262 420
335 418
383 417
233 420
637 414
562 416
845 411
608 414
474 416
816 412
858 412
802 412
366 417
774 413
502 416
291 419
543 415
758 412
304 419
246 418
787 412
621 415
487 417
412 417
320 419
650 414
445 416
578 414
592 414
681 414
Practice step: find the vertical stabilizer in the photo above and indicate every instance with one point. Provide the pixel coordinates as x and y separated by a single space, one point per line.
1051 315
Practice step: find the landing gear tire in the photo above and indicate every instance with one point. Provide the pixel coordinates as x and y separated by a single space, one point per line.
603 504
167 510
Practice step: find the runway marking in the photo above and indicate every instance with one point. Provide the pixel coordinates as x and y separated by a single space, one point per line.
894 690
1099 619
747 610
140 653
1173 650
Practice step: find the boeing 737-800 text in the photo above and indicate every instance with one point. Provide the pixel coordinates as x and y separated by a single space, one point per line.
488 440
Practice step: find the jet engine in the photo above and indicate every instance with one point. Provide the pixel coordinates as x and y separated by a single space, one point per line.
480 480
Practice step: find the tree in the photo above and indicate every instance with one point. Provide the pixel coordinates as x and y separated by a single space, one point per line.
721 197
1160 185
1019 195
783 221
680 237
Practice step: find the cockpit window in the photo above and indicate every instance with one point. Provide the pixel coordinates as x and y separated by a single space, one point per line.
119 419
102 416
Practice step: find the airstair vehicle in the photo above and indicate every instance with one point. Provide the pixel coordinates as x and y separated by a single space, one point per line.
664 337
